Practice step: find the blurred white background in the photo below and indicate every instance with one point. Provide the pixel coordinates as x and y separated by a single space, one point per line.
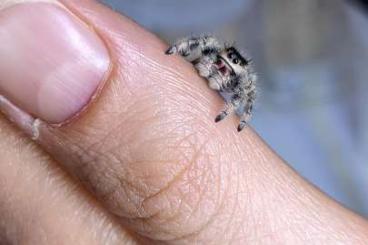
312 61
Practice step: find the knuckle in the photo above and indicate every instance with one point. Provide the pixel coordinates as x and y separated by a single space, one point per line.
175 208
161 195
162 180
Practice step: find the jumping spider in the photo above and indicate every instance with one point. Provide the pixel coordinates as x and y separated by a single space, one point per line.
226 70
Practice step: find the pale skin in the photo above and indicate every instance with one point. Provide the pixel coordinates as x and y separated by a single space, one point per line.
146 164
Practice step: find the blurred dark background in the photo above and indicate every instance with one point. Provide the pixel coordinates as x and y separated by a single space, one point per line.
312 61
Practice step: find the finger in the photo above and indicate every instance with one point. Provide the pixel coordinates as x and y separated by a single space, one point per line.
149 150
156 151
39 204
132 107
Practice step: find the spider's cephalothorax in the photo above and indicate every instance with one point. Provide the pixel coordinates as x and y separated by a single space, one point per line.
226 70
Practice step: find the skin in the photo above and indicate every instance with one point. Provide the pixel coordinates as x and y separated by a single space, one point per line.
146 164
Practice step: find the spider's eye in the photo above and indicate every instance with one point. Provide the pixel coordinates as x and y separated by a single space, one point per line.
236 61
230 55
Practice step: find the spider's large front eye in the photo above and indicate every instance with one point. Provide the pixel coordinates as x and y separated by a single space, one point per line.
236 61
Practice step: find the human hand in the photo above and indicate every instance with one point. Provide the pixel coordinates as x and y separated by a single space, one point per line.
156 167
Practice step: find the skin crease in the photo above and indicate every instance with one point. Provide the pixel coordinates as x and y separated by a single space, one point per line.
40 204
148 151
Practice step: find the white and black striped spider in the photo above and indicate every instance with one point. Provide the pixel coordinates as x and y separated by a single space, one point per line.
226 70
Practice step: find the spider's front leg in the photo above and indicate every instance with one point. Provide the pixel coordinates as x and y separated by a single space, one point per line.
206 68
193 48
247 113
228 109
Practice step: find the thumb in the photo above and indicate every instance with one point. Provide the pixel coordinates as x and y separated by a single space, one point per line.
146 145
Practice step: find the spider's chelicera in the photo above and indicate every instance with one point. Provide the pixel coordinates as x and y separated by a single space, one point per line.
226 70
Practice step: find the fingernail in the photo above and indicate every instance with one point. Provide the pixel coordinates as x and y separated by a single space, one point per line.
51 62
